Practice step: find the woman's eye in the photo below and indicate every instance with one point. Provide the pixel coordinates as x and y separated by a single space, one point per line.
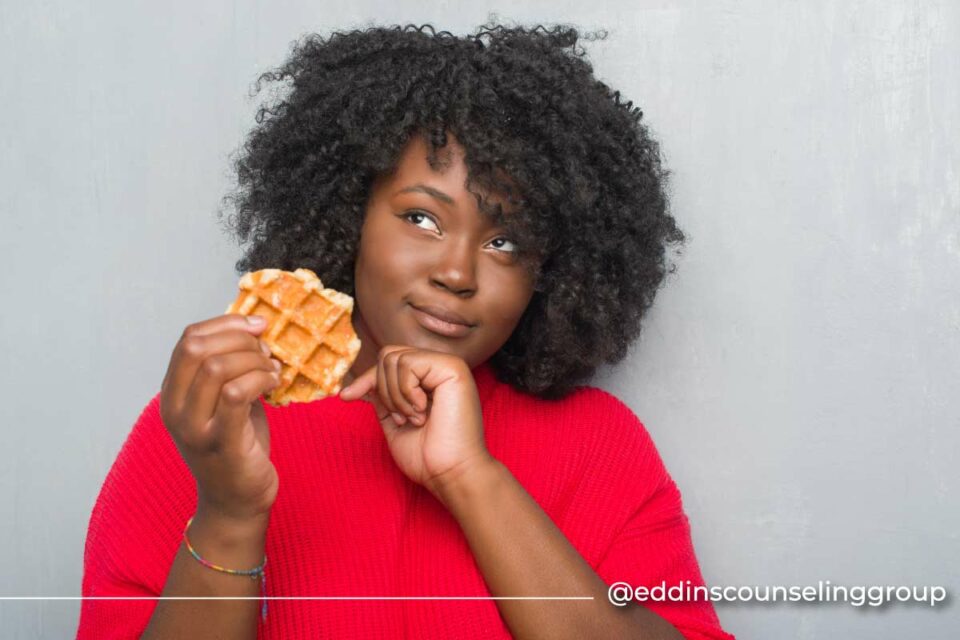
505 245
424 221
417 218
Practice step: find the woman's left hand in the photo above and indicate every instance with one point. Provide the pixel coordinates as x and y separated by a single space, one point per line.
429 408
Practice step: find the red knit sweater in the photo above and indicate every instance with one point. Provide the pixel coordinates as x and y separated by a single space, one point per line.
347 522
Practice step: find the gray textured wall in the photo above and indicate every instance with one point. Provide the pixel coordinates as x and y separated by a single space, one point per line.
799 373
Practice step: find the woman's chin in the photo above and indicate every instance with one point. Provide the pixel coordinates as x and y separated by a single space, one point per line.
420 338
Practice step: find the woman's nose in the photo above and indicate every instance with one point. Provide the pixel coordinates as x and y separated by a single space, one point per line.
455 268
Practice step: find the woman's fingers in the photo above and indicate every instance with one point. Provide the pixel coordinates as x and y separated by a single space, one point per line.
192 354
218 369
394 384
400 383
201 339
383 392
409 382
233 407
365 386
207 403
361 385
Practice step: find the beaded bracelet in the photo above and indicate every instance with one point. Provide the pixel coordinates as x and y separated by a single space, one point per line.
256 572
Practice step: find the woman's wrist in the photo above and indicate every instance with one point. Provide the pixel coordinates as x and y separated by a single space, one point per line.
228 533
469 482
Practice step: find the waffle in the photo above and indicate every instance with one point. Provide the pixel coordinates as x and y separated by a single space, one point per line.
308 330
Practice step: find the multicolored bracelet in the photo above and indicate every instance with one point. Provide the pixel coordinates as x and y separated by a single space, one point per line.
255 573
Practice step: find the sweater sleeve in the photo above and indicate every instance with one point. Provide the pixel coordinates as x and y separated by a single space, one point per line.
133 533
653 545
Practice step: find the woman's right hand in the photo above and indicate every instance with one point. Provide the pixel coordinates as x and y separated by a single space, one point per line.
209 404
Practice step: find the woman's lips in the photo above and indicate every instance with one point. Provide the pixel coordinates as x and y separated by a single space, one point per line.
442 327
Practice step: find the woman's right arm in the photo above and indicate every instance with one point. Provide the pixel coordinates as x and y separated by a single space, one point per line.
209 404
225 542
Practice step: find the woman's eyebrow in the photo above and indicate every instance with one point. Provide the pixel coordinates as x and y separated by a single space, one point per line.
496 217
430 191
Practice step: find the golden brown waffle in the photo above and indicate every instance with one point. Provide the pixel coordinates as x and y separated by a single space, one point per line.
308 330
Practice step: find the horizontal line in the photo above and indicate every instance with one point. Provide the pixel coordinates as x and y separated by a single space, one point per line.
296 598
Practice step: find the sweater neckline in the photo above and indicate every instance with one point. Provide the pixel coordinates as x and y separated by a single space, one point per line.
485 380
483 376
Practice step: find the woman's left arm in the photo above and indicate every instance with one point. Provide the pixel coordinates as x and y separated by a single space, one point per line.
521 552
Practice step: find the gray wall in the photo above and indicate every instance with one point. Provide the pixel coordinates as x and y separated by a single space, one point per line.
799 372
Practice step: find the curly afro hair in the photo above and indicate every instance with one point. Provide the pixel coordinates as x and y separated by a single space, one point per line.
592 217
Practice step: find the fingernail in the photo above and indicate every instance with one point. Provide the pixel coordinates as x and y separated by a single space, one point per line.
399 419
255 320
265 348
276 364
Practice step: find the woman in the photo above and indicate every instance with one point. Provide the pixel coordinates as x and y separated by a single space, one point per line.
500 217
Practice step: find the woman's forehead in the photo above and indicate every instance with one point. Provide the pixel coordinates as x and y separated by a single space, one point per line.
446 180
416 165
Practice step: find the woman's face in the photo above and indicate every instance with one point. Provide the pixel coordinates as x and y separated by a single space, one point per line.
433 271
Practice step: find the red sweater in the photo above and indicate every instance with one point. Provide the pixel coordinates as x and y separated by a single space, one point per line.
347 522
